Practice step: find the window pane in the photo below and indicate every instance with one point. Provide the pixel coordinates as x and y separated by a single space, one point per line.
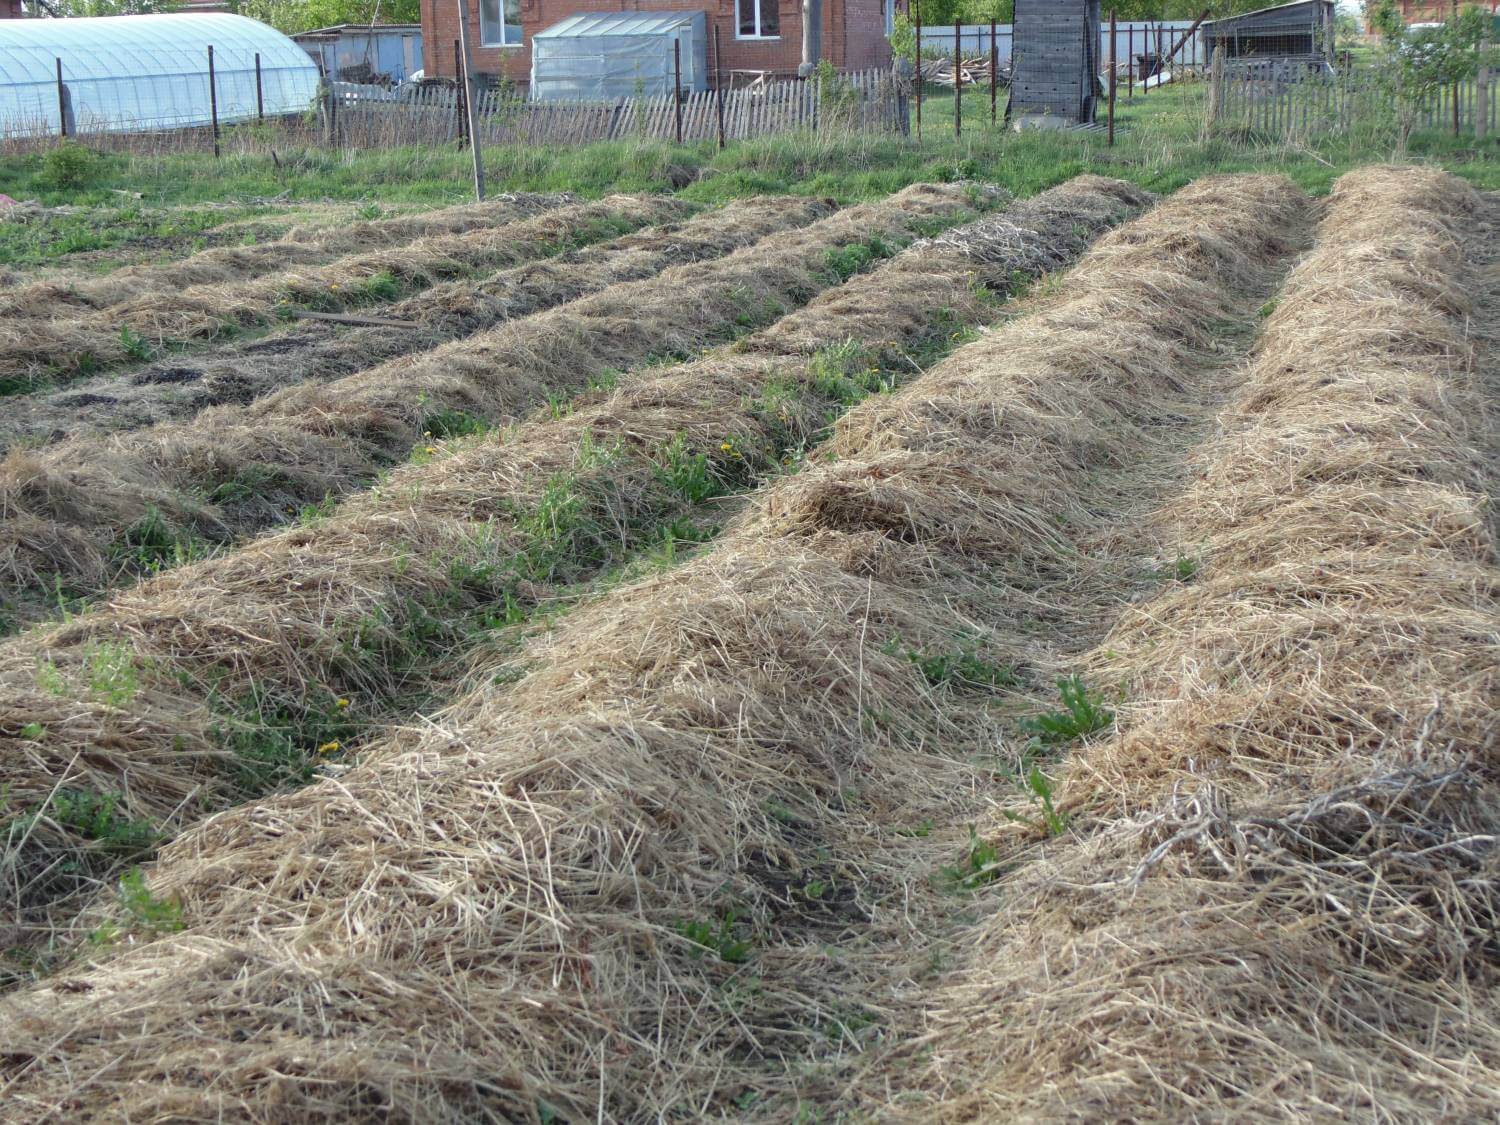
490 26
769 22
512 21
747 17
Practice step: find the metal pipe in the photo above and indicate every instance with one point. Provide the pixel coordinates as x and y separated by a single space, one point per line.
213 100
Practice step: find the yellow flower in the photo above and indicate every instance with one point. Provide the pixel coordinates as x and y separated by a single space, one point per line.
431 449
328 747
342 703
334 285
727 446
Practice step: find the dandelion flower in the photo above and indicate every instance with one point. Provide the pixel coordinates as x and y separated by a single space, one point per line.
727 446
328 747
342 703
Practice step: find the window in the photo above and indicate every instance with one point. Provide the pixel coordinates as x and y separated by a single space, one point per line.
499 23
758 19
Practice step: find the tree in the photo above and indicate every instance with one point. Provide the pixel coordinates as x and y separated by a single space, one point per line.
111 7
1415 63
292 16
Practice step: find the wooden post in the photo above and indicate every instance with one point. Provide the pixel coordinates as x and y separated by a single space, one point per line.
471 118
213 100
994 71
1130 63
62 104
958 79
719 82
677 84
1482 92
1112 64
260 96
1455 83
1216 87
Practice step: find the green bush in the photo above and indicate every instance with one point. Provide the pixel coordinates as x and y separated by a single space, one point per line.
69 165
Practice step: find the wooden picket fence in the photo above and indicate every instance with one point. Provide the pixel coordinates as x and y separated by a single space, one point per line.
1291 101
372 116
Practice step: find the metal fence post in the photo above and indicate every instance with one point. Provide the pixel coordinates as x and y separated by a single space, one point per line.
958 79
460 107
1130 62
719 83
1112 76
260 97
213 100
62 104
916 82
677 84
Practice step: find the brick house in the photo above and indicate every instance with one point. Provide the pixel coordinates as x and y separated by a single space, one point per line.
1432 11
757 35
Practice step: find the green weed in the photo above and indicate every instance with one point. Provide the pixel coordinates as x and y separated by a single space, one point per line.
94 816
145 914
134 344
452 424
721 938
978 865
1040 787
685 473
1081 714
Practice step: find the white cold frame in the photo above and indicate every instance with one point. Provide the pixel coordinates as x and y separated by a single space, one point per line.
756 19
499 23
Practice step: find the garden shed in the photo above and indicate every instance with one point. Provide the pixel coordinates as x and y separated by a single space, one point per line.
1301 31
600 56
125 74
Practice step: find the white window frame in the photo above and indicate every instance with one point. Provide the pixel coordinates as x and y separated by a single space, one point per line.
759 4
500 42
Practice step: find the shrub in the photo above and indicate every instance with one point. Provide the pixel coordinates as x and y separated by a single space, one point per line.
69 165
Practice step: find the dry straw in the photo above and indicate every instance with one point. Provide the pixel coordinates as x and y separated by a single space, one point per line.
329 611
535 908
1279 899
65 515
81 340
302 246
241 372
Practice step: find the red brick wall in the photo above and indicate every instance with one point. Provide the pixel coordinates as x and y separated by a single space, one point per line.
853 34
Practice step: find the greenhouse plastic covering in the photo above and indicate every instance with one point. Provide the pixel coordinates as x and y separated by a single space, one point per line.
605 55
134 73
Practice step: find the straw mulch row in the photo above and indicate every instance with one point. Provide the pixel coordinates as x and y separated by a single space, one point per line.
75 340
302 246
1279 897
334 611
242 372
537 906
235 470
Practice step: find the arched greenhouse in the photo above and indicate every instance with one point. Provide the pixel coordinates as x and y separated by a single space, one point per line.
124 74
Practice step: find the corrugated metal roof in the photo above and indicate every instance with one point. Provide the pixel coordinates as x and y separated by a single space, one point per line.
586 25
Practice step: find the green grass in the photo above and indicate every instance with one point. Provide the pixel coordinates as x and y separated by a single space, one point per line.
1160 146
